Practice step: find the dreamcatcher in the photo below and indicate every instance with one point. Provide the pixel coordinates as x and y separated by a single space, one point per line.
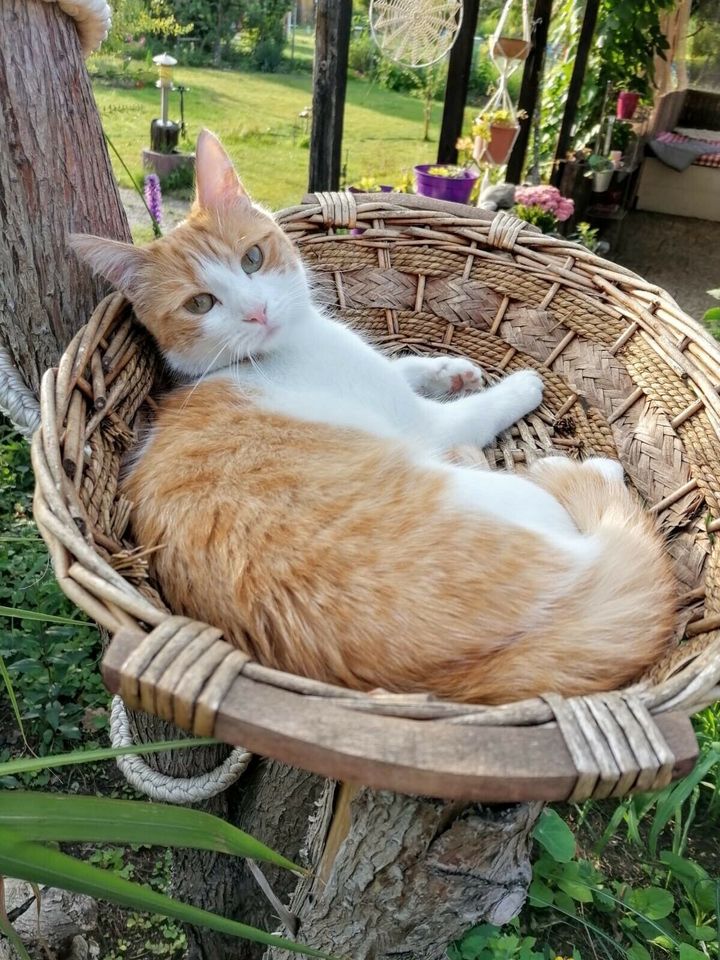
496 127
415 33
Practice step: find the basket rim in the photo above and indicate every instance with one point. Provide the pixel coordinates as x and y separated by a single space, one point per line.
118 606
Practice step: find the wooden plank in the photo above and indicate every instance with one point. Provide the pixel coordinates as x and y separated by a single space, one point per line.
332 42
585 40
530 87
428 758
458 80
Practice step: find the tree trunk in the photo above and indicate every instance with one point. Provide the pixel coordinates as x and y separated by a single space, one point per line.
392 875
55 177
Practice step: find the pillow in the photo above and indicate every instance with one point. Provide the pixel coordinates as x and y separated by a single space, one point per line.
711 135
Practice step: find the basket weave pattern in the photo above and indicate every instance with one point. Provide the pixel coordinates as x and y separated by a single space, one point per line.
626 374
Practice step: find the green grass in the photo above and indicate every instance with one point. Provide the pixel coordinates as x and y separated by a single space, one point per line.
256 116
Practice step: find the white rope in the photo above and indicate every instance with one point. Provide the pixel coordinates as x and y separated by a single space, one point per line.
18 403
93 19
158 786
415 33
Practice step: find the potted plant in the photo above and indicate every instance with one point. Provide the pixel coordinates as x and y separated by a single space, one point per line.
370 185
452 182
449 182
495 132
543 206
601 169
629 97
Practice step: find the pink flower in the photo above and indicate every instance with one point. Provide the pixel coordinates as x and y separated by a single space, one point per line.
548 198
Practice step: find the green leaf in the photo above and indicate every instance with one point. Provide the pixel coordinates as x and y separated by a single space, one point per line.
20 614
12 767
552 833
40 864
637 952
73 819
688 952
539 894
712 314
653 903
576 889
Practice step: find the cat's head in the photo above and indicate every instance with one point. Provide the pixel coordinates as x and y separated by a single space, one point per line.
224 285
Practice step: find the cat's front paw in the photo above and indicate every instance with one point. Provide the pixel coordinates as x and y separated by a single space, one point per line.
526 389
454 375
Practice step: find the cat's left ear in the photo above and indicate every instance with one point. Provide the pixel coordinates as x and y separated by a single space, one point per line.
217 185
120 263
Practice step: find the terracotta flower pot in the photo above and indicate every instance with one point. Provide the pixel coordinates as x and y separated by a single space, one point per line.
498 148
627 103
512 48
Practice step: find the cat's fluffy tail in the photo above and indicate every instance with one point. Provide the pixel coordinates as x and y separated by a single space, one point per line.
626 616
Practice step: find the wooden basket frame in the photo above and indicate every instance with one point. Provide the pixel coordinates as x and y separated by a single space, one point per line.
626 373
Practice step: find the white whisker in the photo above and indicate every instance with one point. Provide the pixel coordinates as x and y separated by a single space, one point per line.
209 367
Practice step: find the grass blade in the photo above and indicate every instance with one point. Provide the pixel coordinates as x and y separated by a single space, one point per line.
21 614
13 701
12 767
677 796
41 864
73 819
16 943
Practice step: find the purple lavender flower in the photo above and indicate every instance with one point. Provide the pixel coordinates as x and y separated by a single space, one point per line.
153 199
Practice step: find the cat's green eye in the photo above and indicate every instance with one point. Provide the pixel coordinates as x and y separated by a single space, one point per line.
252 260
202 303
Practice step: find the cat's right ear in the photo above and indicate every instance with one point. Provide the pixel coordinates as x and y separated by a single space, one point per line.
217 185
120 263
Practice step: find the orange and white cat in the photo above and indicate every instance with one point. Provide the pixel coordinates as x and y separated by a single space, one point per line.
297 489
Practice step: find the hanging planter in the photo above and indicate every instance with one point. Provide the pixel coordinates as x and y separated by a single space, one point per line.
444 183
495 133
511 48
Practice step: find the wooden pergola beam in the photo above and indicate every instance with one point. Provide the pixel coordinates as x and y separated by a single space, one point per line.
332 43
530 88
458 80
585 40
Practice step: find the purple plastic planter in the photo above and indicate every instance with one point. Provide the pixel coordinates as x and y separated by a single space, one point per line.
455 189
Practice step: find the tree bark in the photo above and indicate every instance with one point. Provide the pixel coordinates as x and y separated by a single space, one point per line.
55 177
392 875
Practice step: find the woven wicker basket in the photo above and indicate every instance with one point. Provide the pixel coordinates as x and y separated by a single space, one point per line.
626 374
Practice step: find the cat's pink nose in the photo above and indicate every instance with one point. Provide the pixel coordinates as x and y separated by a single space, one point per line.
258 315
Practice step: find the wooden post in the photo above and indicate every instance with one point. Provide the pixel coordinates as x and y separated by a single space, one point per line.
332 41
458 80
530 88
573 95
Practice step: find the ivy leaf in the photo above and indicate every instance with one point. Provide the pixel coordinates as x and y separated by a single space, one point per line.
653 903
577 890
688 952
540 894
555 836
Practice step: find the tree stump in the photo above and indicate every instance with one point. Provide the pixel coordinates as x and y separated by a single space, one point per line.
393 875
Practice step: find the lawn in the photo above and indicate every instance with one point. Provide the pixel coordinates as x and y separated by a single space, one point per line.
256 116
